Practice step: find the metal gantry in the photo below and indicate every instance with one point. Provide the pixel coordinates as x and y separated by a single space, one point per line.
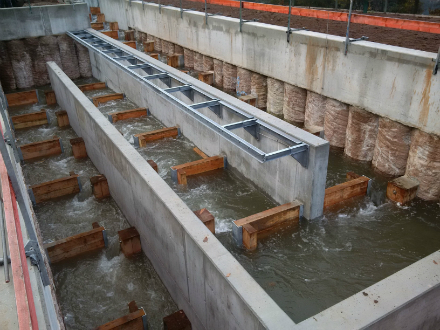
294 147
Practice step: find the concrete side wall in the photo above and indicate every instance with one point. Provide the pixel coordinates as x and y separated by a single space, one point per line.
191 262
390 81
284 179
17 23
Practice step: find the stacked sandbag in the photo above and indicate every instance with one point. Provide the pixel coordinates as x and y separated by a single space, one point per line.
424 164
68 56
138 36
229 76
157 44
150 37
243 86
39 71
361 134
218 73
275 97
7 79
208 63
198 61
170 49
335 122
392 147
85 67
259 89
315 110
167 47
21 63
294 105
188 58
178 49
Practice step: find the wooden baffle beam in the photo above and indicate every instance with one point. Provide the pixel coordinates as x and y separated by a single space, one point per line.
141 139
100 18
129 35
106 98
153 164
130 241
114 26
78 244
177 321
402 190
30 119
51 98
127 114
78 148
249 99
53 189
207 77
175 60
200 152
22 98
41 149
111 34
341 192
95 10
62 118
136 320
149 46
131 43
207 218
92 86
97 26
180 173
246 230
100 186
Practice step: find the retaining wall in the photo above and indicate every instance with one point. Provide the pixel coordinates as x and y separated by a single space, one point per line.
390 81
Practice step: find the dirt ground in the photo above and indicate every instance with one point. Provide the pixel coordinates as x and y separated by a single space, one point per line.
429 42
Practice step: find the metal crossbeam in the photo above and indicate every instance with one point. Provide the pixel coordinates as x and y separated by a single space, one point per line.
156 76
178 89
205 104
138 66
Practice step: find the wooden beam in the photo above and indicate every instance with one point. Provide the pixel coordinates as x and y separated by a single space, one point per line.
402 190
114 26
352 176
51 98
95 10
100 18
181 172
75 245
267 220
130 43
111 34
78 148
153 164
30 119
92 86
207 77
41 149
249 99
100 186
54 189
127 114
129 35
141 139
154 55
149 46
106 98
346 190
97 26
200 152
62 118
130 241
177 321
175 60
315 130
207 218
22 98
132 321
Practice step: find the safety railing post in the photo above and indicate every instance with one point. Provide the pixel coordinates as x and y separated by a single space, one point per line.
241 17
288 22
347 38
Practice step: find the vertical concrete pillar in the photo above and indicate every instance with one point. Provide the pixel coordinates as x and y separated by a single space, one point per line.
361 134
229 76
208 63
392 147
85 67
335 122
188 58
294 106
424 164
259 89
68 56
275 97
21 63
243 86
198 61
178 49
157 44
315 110
218 73
7 79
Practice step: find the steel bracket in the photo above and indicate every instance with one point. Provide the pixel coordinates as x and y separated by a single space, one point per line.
290 31
437 63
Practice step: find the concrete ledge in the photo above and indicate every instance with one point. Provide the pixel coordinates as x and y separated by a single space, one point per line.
191 262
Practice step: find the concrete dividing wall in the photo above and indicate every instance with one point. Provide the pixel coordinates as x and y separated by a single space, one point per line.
17 23
390 81
284 179
191 262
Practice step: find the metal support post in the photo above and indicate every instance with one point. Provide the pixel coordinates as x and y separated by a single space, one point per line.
206 14
4 245
347 38
143 5
160 8
437 63
336 4
385 7
241 18
288 22
181 9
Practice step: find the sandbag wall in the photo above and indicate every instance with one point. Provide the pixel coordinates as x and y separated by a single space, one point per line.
23 61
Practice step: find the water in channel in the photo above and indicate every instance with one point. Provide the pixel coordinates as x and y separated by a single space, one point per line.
317 264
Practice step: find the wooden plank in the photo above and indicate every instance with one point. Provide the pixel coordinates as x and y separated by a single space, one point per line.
402 190
126 321
51 98
207 218
62 118
130 43
143 138
100 18
198 167
30 119
97 26
154 55
149 46
92 86
249 99
129 35
207 77
78 148
177 321
175 60
106 98
114 26
55 188
22 98
111 34
127 114
95 10
346 190
250 237
153 164
41 149
200 152
100 186
130 241
352 175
